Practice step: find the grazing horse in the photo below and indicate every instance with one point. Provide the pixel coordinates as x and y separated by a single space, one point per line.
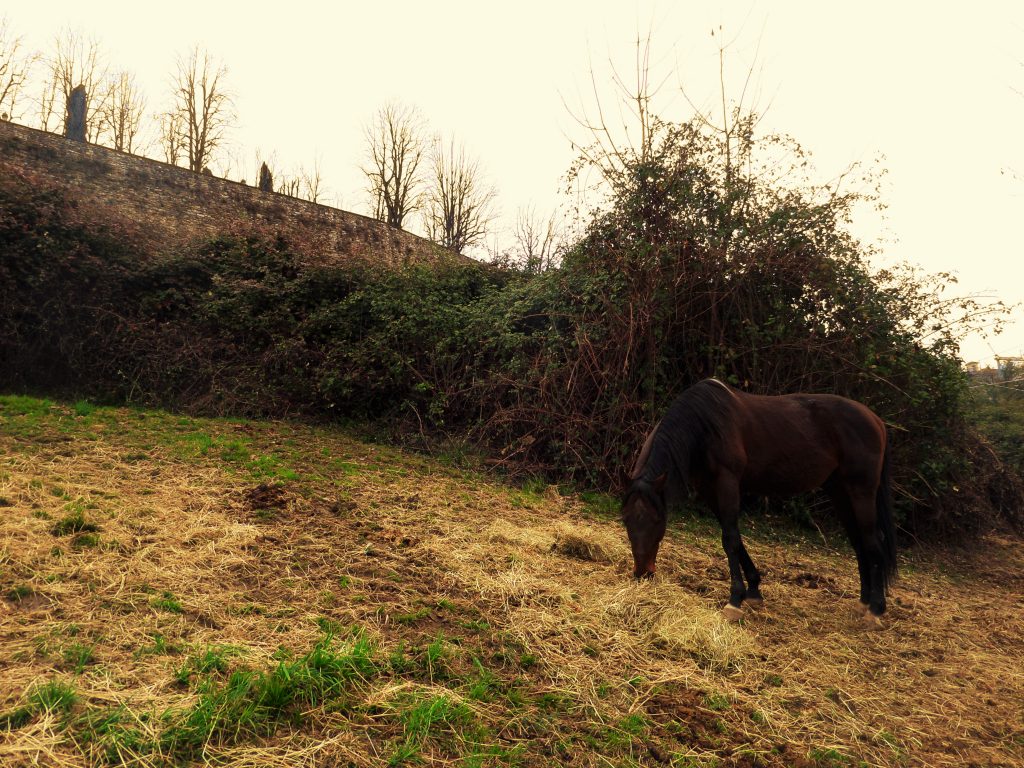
721 443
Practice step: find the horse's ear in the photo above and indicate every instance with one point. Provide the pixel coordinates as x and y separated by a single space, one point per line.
659 482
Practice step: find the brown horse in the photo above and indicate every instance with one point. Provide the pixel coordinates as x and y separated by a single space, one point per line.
721 443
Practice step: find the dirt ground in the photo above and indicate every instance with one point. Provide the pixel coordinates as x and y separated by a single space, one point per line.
134 544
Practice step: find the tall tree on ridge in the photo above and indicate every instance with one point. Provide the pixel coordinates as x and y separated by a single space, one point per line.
460 203
396 144
204 107
120 114
75 61
14 69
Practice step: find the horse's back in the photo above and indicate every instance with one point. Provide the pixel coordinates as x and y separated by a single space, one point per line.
793 443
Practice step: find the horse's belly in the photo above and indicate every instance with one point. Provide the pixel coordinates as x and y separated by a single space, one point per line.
786 478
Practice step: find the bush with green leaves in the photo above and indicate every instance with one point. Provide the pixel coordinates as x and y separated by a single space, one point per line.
710 256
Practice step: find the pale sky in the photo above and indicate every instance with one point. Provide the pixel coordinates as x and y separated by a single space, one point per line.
934 90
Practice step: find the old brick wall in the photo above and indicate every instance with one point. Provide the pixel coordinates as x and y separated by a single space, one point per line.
177 206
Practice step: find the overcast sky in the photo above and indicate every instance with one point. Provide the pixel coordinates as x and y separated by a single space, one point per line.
933 90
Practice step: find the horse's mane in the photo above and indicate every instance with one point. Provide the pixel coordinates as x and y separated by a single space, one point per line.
699 415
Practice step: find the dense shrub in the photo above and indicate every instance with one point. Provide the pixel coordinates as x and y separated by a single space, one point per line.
705 262
998 411
699 263
239 325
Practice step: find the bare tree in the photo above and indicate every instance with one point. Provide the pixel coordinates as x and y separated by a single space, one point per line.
538 240
75 61
306 184
313 187
396 144
460 203
120 116
14 69
239 162
289 185
170 130
203 106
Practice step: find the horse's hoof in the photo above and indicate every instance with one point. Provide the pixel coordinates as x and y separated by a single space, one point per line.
732 613
871 622
753 602
863 609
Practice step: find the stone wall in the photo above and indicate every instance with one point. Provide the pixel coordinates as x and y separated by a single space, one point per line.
177 206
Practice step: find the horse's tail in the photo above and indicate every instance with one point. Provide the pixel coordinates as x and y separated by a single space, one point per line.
885 521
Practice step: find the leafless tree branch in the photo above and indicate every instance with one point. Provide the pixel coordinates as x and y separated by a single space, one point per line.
460 203
170 130
76 60
14 69
538 240
203 106
120 115
396 145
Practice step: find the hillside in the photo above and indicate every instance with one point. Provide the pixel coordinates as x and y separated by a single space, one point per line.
174 207
182 590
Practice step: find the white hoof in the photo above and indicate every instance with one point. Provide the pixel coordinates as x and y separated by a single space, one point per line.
732 613
863 609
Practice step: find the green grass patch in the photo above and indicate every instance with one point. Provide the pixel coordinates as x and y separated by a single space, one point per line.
110 736
239 453
412 617
717 702
20 592
252 704
601 505
167 602
329 626
436 719
83 408
436 659
485 686
160 646
85 540
19 405
73 522
213 659
52 696
623 733
399 661
78 656
228 707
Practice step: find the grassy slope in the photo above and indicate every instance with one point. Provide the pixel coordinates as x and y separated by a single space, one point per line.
180 590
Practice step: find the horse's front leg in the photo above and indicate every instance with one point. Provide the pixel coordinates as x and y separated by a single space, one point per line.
727 509
753 598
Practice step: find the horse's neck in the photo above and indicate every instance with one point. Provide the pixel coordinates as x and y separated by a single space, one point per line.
660 457
645 452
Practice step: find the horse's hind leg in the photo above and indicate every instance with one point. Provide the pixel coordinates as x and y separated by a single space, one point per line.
844 511
864 510
870 558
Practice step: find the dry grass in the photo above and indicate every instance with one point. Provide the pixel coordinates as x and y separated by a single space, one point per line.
467 584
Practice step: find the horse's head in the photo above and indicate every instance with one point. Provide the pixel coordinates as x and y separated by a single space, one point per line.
645 516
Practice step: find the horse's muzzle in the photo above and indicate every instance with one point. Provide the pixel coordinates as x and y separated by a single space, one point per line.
645 574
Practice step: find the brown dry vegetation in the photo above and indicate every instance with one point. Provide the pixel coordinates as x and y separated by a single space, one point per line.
502 628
